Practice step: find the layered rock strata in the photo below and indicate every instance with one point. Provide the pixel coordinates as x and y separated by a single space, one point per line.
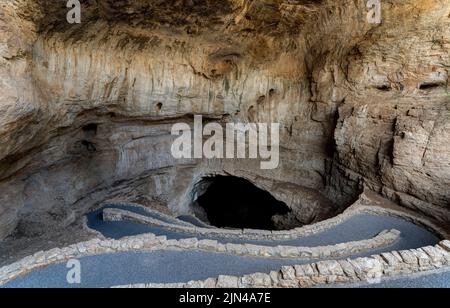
86 110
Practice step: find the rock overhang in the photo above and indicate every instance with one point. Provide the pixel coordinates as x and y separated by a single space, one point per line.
296 62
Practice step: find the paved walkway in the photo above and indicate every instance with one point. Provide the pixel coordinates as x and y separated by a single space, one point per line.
158 267
358 228
182 266
441 280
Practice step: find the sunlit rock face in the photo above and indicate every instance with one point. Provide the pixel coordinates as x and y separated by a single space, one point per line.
86 110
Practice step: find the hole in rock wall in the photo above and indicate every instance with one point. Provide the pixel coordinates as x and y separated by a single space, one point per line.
91 129
431 85
89 132
89 146
232 202
384 87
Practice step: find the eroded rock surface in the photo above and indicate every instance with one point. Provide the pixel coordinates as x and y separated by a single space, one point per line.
86 110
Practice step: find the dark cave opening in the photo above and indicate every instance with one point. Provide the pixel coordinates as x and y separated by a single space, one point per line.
232 202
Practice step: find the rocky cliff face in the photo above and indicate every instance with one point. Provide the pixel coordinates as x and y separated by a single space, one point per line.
86 110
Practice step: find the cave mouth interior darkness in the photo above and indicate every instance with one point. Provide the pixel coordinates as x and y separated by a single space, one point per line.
232 202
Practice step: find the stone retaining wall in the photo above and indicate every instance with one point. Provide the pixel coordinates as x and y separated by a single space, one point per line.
424 259
370 270
149 211
151 242
113 214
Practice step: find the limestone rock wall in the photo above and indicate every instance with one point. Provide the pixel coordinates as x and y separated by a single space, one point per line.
393 127
86 109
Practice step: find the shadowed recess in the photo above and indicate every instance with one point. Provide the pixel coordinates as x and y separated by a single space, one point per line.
232 202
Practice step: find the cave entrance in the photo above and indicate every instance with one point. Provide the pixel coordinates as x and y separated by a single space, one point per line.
232 202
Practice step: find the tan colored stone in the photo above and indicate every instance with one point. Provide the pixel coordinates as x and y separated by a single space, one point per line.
330 268
288 272
227 282
445 245
408 257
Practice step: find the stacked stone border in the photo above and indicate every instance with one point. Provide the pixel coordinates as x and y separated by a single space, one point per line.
151 242
430 259
163 217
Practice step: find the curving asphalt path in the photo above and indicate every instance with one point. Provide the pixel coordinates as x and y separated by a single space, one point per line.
151 214
157 267
182 266
357 228
194 221
438 280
